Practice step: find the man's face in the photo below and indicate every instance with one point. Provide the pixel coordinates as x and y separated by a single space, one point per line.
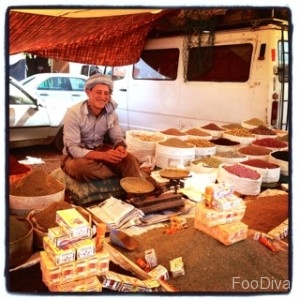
99 95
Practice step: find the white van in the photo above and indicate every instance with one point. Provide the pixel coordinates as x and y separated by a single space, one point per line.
243 76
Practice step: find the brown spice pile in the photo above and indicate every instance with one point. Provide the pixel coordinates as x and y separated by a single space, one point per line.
175 142
197 132
212 126
255 122
201 143
37 183
173 131
46 218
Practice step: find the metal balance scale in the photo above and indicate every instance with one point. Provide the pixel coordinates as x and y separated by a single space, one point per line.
144 196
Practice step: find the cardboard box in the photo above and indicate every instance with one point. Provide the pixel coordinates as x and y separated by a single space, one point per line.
88 284
212 217
177 267
73 223
227 234
84 248
59 255
159 272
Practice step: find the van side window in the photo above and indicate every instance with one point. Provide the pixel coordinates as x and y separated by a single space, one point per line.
226 63
161 64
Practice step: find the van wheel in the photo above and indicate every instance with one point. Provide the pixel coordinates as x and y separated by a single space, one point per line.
58 142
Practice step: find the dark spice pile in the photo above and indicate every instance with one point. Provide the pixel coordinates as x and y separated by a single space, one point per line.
224 142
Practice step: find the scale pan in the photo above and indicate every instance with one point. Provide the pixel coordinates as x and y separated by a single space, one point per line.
174 173
135 185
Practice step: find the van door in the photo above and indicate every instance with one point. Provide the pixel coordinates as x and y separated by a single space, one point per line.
153 90
283 78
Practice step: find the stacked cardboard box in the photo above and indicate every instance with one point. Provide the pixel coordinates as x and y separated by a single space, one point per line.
69 261
221 216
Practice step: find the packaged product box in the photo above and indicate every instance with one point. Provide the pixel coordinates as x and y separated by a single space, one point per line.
60 238
221 190
177 267
151 258
73 223
84 248
103 261
132 284
50 271
159 272
212 217
59 255
68 272
124 283
152 284
111 280
87 284
280 231
81 270
227 234
227 203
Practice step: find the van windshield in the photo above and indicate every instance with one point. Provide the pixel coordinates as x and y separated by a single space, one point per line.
226 63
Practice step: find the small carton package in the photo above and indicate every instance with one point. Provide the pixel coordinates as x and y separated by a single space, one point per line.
51 272
177 267
87 284
73 223
159 272
59 255
84 248
227 234
212 217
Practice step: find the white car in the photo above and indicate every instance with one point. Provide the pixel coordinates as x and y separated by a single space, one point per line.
59 90
30 121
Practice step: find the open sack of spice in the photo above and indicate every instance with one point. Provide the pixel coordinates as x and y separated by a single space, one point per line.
243 179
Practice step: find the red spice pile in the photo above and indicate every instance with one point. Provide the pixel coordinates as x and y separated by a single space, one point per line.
15 167
212 126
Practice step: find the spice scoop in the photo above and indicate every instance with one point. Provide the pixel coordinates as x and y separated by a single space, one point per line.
123 240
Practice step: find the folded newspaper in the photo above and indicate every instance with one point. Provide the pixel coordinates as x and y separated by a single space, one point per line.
116 213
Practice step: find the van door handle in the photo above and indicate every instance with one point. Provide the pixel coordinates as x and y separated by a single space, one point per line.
44 94
123 90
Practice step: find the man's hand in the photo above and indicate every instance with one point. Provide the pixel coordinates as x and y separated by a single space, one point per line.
111 155
114 155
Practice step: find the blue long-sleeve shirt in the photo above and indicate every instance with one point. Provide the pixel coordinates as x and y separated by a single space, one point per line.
84 131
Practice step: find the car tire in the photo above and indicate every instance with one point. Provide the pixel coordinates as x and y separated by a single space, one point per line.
59 142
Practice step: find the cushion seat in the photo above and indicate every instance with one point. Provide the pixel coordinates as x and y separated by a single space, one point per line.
86 193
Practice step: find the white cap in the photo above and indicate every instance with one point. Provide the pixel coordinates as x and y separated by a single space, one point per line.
98 79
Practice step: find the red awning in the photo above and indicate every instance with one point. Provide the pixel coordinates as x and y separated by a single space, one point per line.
111 40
